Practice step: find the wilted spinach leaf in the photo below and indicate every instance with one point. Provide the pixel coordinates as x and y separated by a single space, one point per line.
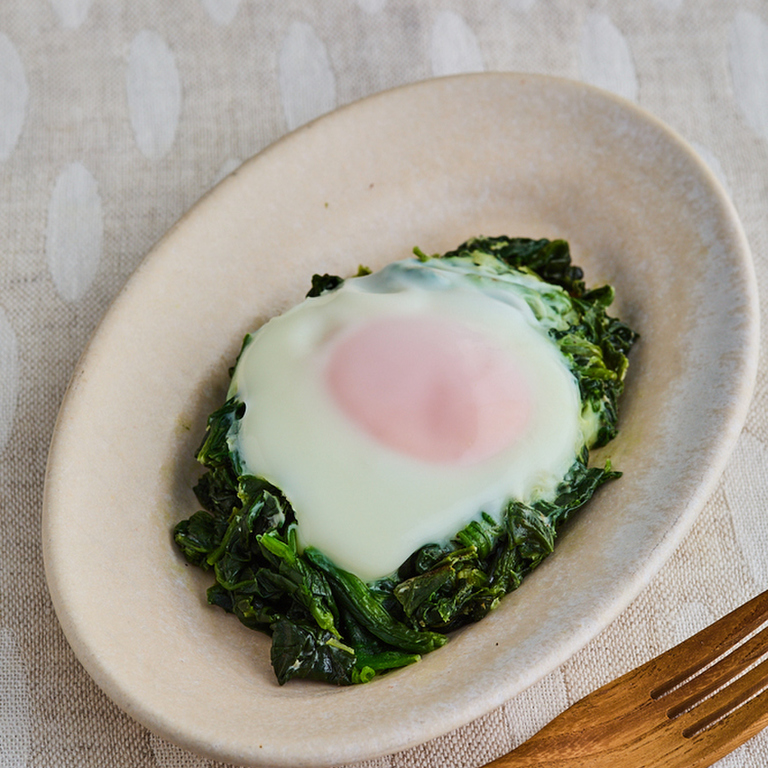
303 650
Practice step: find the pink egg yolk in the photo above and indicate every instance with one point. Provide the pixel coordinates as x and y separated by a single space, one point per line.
435 390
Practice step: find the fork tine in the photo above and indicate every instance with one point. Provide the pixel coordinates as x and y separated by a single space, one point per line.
708 645
708 746
699 687
726 700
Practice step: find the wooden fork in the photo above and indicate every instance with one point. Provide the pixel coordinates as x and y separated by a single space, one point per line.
684 709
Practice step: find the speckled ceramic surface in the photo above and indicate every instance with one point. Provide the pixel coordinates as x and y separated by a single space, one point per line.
427 165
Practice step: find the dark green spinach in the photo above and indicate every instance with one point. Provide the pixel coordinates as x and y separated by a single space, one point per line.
325 623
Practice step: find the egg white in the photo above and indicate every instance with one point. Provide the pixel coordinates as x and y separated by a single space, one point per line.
362 503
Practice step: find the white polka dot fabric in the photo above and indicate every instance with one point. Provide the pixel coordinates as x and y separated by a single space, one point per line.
605 59
117 115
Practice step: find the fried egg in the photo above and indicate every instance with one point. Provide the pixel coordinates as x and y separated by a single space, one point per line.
396 408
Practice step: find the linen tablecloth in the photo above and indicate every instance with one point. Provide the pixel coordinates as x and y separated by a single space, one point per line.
116 116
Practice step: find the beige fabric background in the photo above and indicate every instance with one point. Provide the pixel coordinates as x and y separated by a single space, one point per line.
117 115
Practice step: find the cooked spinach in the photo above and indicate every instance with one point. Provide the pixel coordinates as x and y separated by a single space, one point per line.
327 624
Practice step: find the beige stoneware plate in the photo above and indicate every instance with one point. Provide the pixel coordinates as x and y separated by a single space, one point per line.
430 164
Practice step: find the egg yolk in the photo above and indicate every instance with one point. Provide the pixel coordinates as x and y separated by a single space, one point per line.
434 390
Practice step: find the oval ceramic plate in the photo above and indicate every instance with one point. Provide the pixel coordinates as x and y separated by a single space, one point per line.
428 165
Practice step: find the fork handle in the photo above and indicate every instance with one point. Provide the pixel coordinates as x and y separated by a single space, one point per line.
565 742
602 730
